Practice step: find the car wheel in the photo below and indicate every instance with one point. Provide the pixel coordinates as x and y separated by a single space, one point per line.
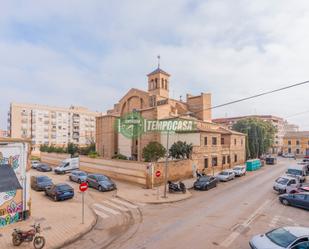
206 187
100 188
55 198
285 202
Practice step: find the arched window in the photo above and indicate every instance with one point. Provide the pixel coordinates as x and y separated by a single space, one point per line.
156 80
162 83
166 84
151 84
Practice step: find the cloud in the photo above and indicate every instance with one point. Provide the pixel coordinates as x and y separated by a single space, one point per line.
90 53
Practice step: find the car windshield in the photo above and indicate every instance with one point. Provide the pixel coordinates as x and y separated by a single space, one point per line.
43 179
63 187
237 168
224 173
281 237
102 178
81 174
203 179
294 172
282 180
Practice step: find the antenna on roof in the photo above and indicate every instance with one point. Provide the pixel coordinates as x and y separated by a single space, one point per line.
159 57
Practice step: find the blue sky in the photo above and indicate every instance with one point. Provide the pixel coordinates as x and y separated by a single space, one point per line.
90 53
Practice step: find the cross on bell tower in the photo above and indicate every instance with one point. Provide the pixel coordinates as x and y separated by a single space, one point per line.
158 82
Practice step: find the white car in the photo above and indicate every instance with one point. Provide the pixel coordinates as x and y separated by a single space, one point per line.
226 175
284 184
35 163
283 237
240 170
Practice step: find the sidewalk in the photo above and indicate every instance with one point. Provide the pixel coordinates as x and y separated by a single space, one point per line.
60 221
138 194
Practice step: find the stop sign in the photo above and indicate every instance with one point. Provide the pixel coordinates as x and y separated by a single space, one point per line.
158 173
83 186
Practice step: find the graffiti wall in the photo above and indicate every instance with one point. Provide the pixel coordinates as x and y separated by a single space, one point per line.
11 191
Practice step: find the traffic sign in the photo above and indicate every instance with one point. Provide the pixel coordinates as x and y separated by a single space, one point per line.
83 186
158 173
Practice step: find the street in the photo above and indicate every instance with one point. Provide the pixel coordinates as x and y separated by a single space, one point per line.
225 217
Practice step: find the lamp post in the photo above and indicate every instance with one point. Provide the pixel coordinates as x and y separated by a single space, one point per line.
166 165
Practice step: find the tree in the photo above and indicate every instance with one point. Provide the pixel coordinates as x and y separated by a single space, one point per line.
153 152
181 150
260 135
72 149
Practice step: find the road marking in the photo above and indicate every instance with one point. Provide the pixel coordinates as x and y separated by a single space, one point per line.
274 221
115 206
101 214
124 203
112 211
230 239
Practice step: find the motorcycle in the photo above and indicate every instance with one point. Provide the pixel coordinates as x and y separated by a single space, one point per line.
19 236
174 187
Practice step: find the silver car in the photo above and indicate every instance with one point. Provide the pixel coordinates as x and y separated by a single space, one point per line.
78 176
283 237
239 170
226 175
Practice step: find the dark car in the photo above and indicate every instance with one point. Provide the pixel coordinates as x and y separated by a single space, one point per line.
205 183
271 160
300 200
43 168
100 182
39 183
60 191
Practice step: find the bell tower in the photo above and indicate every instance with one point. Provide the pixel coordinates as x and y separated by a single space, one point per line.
158 83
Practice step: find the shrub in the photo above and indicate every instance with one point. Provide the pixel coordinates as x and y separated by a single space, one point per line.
153 152
120 156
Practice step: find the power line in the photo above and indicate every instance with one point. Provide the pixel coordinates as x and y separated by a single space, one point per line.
297 114
256 96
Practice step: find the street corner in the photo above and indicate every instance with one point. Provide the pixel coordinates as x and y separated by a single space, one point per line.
152 196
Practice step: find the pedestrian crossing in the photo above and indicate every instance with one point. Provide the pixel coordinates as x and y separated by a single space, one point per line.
112 207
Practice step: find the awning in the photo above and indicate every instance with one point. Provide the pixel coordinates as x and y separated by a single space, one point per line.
8 179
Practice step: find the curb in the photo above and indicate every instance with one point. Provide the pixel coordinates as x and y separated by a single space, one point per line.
156 202
80 234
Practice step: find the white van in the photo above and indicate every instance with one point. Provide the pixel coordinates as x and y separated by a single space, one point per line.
284 184
68 165
298 171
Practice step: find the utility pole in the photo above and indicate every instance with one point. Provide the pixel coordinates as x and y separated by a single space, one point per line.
166 164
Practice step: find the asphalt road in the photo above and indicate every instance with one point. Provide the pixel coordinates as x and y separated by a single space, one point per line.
224 217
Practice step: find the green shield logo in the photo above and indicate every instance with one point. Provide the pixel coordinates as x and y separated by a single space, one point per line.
131 125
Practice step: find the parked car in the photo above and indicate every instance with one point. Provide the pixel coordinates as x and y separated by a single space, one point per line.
100 182
282 237
60 191
39 183
271 160
44 168
298 171
302 188
34 164
205 183
288 155
226 175
239 170
284 184
78 176
300 200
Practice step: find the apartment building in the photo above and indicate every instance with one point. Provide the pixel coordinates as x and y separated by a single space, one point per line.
282 127
296 143
52 125
213 145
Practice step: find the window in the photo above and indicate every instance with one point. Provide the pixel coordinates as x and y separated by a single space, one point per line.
289 150
235 141
301 245
299 197
242 142
297 142
162 83
228 159
214 141
289 142
223 160
205 163
214 161
297 151
222 140
205 140
235 158
156 80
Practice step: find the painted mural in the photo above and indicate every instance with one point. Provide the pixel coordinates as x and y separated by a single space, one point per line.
11 200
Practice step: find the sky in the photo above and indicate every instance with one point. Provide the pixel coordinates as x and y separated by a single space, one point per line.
90 53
